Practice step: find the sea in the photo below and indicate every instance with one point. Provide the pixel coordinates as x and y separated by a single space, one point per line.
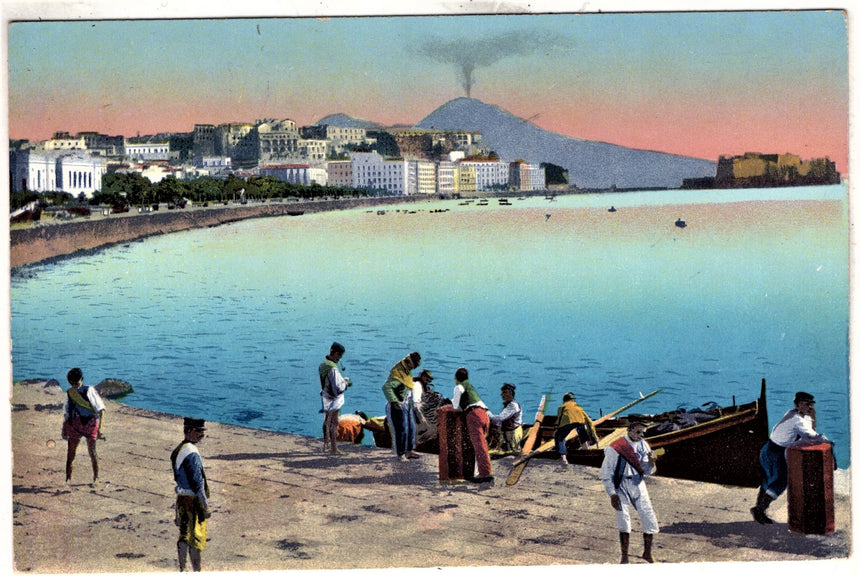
603 295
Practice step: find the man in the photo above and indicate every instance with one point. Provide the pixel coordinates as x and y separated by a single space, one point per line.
192 495
798 425
426 402
400 406
625 464
83 417
570 416
466 398
350 427
509 420
332 387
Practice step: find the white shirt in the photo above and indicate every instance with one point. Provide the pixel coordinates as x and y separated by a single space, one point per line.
793 427
610 460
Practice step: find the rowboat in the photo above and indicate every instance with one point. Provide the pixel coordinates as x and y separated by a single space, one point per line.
718 444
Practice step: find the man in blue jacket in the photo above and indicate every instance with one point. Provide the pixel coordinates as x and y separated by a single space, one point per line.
192 495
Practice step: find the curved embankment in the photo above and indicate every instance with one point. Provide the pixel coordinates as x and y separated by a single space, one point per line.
42 242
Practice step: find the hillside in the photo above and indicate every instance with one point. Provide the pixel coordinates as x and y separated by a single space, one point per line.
589 164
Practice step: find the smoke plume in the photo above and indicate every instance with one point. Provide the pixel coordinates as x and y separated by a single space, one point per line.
470 54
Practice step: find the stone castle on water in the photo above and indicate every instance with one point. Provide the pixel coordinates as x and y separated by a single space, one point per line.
755 170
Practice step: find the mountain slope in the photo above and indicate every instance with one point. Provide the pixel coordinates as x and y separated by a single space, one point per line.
589 164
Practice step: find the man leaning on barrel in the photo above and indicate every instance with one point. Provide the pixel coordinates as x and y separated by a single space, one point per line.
798 425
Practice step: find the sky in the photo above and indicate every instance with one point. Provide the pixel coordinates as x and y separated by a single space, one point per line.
700 84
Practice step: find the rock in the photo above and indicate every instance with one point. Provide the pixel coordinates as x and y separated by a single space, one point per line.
112 388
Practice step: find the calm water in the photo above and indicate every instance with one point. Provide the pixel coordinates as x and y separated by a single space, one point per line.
230 323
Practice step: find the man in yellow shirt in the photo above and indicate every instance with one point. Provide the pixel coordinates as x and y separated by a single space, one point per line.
570 416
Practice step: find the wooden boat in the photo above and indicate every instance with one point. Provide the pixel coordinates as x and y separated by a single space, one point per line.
722 447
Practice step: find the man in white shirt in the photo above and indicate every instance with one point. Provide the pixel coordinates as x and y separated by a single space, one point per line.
625 464
798 425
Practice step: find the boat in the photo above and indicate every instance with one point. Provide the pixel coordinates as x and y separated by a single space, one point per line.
718 444
612 209
295 212
680 223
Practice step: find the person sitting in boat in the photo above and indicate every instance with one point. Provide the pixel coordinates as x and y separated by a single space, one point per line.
509 420
797 426
571 416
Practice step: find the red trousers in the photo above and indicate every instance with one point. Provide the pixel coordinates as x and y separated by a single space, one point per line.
478 424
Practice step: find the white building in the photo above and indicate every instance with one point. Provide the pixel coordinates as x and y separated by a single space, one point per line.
278 141
295 173
422 178
446 178
371 172
147 149
72 172
490 173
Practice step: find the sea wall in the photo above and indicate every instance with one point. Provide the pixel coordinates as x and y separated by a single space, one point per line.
44 241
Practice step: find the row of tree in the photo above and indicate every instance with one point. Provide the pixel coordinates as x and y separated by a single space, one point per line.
123 190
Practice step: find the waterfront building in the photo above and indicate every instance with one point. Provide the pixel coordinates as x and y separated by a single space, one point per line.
339 173
215 163
525 176
446 175
422 178
467 179
303 174
51 171
756 169
490 173
371 172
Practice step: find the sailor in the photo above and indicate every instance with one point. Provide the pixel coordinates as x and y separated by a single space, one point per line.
625 464
798 425
570 416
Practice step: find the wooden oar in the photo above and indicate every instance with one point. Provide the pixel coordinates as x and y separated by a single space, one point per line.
550 444
514 476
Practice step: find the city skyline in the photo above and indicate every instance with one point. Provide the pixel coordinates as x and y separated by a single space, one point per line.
693 84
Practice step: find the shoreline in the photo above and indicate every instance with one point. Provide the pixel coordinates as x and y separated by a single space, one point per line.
49 241
279 503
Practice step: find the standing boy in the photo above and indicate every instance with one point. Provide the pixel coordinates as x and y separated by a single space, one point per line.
83 417
192 495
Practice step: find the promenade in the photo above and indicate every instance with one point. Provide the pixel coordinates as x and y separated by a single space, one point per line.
280 503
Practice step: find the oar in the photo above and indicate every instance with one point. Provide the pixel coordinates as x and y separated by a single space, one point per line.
514 476
550 444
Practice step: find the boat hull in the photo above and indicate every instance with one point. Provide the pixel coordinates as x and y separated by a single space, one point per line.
724 450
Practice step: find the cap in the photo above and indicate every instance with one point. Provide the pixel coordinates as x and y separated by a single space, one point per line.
195 424
568 396
804 397
338 347
426 375
509 386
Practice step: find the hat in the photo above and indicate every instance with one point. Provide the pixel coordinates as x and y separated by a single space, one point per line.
338 347
509 386
568 396
195 424
804 397
426 375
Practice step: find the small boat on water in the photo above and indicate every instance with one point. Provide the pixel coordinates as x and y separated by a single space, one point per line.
612 209
680 223
718 444
295 212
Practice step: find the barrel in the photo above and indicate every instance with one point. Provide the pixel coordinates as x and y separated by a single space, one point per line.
810 488
456 456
